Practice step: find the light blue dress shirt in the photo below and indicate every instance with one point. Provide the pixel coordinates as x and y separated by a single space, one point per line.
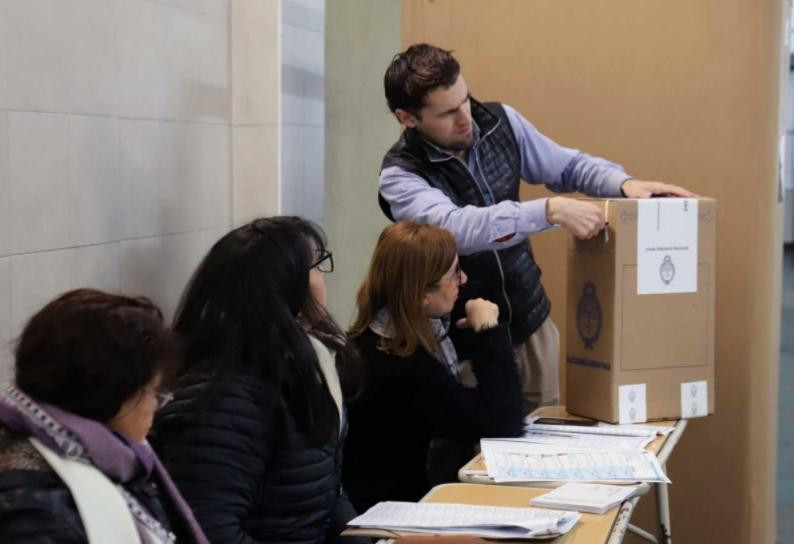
506 223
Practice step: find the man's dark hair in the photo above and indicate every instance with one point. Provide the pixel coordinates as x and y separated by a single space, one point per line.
416 72
87 352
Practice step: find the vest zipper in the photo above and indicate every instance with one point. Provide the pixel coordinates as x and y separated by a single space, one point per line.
479 189
496 254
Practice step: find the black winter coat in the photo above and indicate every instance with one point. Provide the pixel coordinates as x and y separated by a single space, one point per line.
411 400
245 468
36 507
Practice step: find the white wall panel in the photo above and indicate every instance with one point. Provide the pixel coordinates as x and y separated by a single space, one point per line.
38 156
5 319
141 267
96 267
5 188
95 199
36 279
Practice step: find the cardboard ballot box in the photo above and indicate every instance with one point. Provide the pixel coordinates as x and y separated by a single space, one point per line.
640 330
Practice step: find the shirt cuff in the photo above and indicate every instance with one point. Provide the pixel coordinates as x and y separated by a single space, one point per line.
533 216
613 182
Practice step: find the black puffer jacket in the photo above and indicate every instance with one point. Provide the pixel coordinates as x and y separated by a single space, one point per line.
245 468
412 400
36 507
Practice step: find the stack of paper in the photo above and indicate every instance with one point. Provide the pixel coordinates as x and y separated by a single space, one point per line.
655 429
593 498
600 429
464 519
516 461
567 440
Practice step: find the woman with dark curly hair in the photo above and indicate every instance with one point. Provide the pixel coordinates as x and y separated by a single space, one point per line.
74 463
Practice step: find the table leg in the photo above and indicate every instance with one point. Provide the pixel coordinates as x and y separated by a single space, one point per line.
663 512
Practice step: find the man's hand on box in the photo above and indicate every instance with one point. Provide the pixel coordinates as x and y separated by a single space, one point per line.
582 219
636 188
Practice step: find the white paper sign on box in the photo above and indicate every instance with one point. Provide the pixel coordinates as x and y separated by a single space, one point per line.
694 399
632 407
667 245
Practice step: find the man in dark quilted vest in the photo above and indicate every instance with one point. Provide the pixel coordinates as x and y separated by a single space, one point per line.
458 164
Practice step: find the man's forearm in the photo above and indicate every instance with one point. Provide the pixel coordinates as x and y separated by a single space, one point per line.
475 228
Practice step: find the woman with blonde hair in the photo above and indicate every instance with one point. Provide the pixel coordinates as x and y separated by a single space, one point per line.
413 394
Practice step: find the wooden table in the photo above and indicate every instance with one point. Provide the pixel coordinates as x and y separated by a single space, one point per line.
475 472
590 529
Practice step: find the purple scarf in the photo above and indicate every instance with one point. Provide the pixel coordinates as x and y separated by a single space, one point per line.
122 461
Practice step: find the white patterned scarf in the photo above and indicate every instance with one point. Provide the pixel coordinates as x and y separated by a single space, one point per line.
445 351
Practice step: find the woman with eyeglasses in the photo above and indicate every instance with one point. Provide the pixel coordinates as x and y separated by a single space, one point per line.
74 464
254 434
414 395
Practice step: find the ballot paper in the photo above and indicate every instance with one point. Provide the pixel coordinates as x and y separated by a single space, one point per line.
565 440
508 461
465 519
582 497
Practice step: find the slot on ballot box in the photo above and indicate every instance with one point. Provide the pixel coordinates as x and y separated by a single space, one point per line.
640 326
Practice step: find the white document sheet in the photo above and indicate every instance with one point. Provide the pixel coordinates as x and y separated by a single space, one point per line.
566 441
464 519
523 462
667 245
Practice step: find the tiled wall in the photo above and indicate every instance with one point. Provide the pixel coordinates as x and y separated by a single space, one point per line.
133 133
116 162
302 108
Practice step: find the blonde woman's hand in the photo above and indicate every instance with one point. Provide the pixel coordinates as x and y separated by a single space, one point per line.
481 314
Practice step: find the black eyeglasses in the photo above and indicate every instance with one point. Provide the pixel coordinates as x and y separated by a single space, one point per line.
325 263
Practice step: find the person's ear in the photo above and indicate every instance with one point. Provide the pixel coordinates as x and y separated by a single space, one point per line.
406 118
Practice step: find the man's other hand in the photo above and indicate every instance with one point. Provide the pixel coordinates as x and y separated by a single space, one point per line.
582 219
636 188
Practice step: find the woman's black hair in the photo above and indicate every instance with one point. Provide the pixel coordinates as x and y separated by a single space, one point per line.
88 352
243 309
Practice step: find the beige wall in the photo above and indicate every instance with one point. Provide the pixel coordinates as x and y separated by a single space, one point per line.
681 91
123 152
255 29
361 38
